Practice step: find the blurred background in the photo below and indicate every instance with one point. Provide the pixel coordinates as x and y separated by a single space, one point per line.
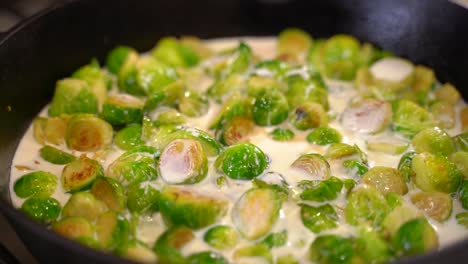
13 11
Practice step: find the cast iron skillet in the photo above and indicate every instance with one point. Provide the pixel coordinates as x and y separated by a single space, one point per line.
52 44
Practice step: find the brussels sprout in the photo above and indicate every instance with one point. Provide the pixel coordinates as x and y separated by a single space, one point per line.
84 204
256 212
435 173
433 140
320 191
398 216
193 103
372 247
169 245
460 159
436 205
42 209
461 141
409 118
111 229
170 51
256 253
309 115
270 108
49 130
122 109
110 191
74 227
340 150
240 60
355 167
117 57
80 174
293 42
394 200
462 219
324 136
197 46
385 180
444 114
180 206
55 155
134 166
152 76
236 105
275 239
37 183
224 88
73 96
282 134
183 161
311 89
366 206
129 137
206 257
221 237
98 80
392 147
164 116
333 249
340 57
243 161
463 194
275 69
235 131
416 236
367 116
143 198
447 93
404 166
86 132
136 251
165 96
257 85
274 181
392 75
287 259
424 80
314 164
318 219
127 75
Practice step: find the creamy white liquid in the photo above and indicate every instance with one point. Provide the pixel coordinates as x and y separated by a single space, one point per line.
282 155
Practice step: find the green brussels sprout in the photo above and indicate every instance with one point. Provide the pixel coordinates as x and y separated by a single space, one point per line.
197 46
433 140
236 130
392 147
256 211
270 108
340 150
398 216
394 200
333 249
165 96
109 191
274 181
293 42
86 132
308 115
170 243
234 106
183 161
461 141
89 242
164 116
171 52
42 209
463 194
275 69
129 137
320 191
127 75
80 174
240 60
180 206
460 159
423 82
444 114
117 57
462 219
324 136
122 109
282 134
409 118
416 236
143 198
275 239
385 180
136 251
310 89
257 85
404 166
340 57
391 76
111 229
134 166
206 257
447 93
355 168
74 227
55 155
320 218
193 103
313 164
73 96
221 237
436 205
49 130
242 161
366 206
222 89
367 116
372 247
287 259
256 253
37 183
83 204
433 173
152 75
98 80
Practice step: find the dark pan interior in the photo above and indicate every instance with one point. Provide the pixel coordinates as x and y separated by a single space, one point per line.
51 45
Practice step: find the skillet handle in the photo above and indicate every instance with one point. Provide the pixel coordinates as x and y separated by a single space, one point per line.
5 255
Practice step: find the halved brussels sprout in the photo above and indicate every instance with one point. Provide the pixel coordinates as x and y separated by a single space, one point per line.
152 75
193 103
117 57
333 249
183 161
367 116
372 247
127 75
49 130
42 209
169 245
320 191
433 140
206 257
293 42
74 227
270 108
444 114
461 141
424 80
257 85
37 183
235 131
404 166
143 198
462 219
164 116
170 51
314 164
73 96
274 181
129 137
98 80
340 150
287 259
122 109
165 96
366 206
463 194
136 251
308 115
222 89
318 219
111 229
436 205
275 239
282 134
180 206
86 132
447 93
324 136
253 254
385 180
460 159
275 69
409 118
340 57
433 173
414 237
80 174
355 167
243 161
55 155
398 216
221 237
392 75
308 88
256 212
391 147
83 204
240 60
111 192
236 105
